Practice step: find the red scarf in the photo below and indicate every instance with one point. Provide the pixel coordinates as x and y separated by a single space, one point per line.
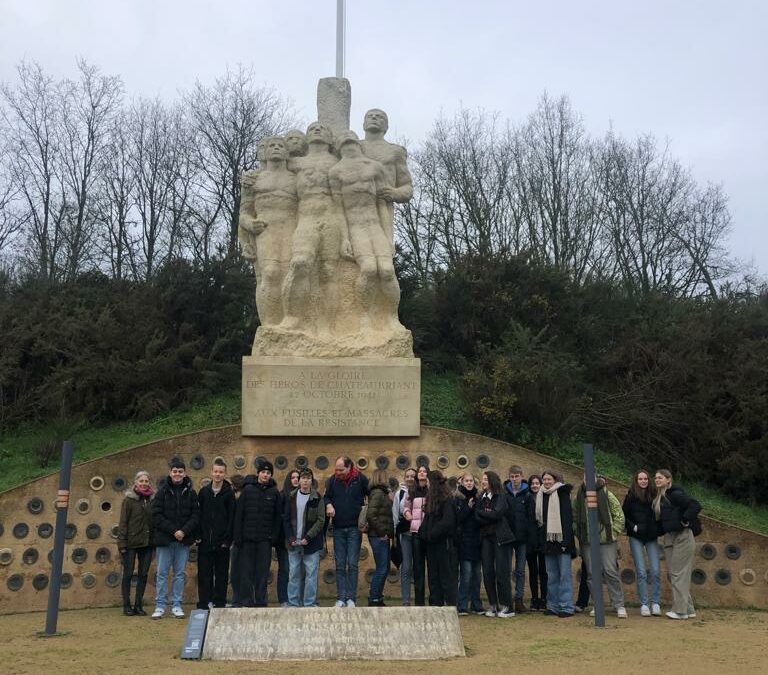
144 492
353 473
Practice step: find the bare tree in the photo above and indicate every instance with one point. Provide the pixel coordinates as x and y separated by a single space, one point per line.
154 158
556 187
114 200
87 109
229 118
31 116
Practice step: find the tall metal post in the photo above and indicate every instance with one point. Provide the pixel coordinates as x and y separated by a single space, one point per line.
341 20
593 529
62 507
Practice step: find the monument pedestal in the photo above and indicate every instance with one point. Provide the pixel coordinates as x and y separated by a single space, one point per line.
295 396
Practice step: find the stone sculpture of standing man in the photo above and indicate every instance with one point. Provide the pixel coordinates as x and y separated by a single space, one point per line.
268 220
399 185
357 183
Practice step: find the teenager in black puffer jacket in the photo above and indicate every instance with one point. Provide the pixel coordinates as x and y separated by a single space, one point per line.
468 538
677 514
381 529
642 530
257 526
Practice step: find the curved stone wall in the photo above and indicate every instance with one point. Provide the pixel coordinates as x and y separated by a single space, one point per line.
730 568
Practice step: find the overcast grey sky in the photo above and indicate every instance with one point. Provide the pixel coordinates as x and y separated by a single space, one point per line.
691 71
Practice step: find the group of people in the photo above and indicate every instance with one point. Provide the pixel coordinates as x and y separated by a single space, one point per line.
446 536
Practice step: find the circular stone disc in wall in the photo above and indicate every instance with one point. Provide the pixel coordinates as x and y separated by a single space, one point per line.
103 555
96 483
44 530
20 530
382 462
6 556
722 577
321 463
698 577
93 531
462 461
40 582
119 483
30 556
732 551
747 576
402 462
70 531
66 580
708 551
239 462
112 580
197 462
83 506
35 505
88 580
15 582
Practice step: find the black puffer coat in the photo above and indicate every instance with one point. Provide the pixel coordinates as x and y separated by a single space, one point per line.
521 513
639 514
259 512
679 511
175 508
468 536
217 516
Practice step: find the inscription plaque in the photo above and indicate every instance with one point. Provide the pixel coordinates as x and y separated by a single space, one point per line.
387 633
292 396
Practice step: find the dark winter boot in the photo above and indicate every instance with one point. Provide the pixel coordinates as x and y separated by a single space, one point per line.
520 608
138 608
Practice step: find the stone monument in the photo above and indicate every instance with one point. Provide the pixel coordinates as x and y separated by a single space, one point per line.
330 357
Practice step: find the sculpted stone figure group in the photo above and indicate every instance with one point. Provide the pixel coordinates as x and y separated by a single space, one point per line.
317 221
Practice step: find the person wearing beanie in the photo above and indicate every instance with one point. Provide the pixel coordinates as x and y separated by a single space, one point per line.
345 493
175 521
257 526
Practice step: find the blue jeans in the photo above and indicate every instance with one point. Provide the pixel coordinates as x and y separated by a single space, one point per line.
518 551
346 552
644 573
302 570
380 549
559 583
406 568
174 556
469 586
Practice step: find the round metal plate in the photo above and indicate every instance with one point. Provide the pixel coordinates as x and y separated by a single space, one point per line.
83 506
79 556
40 582
119 483
93 531
382 462
321 463
708 551
462 461
483 461
722 577
66 580
112 580
20 530
96 483
733 551
15 582
6 556
239 462
362 463
30 556
70 531
197 462
402 462
35 505
698 577
44 530
88 580
103 555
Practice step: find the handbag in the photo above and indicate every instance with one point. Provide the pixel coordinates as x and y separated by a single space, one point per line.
396 552
362 519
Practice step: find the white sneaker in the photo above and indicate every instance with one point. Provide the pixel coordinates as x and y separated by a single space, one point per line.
621 612
285 605
645 610
158 613
692 615
491 612
351 603
505 612
340 603
656 609
177 612
592 612
676 616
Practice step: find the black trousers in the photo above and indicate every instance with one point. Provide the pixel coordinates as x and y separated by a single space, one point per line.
496 562
537 575
235 575
583 598
282 572
255 558
212 576
419 569
442 566
144 558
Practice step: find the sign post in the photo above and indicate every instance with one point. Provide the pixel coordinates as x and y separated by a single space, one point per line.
593 528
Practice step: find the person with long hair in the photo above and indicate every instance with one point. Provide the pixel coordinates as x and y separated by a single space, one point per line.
642 530
554 517
380 530
413 512
134 541
468 539
495 545
537 569
403 534
290 483
677 515
439 531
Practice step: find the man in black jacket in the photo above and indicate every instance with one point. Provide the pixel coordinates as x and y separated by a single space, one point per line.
257 526
217 513
522 520
175 519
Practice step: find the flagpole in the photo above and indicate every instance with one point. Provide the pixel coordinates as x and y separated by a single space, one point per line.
340 36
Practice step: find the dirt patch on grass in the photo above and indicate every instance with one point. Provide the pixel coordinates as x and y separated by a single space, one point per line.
103 641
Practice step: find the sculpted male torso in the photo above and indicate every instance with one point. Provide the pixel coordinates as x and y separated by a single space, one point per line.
270 210
399 184
357 182
310 288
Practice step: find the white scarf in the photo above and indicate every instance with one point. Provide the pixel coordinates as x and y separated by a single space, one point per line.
554 528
